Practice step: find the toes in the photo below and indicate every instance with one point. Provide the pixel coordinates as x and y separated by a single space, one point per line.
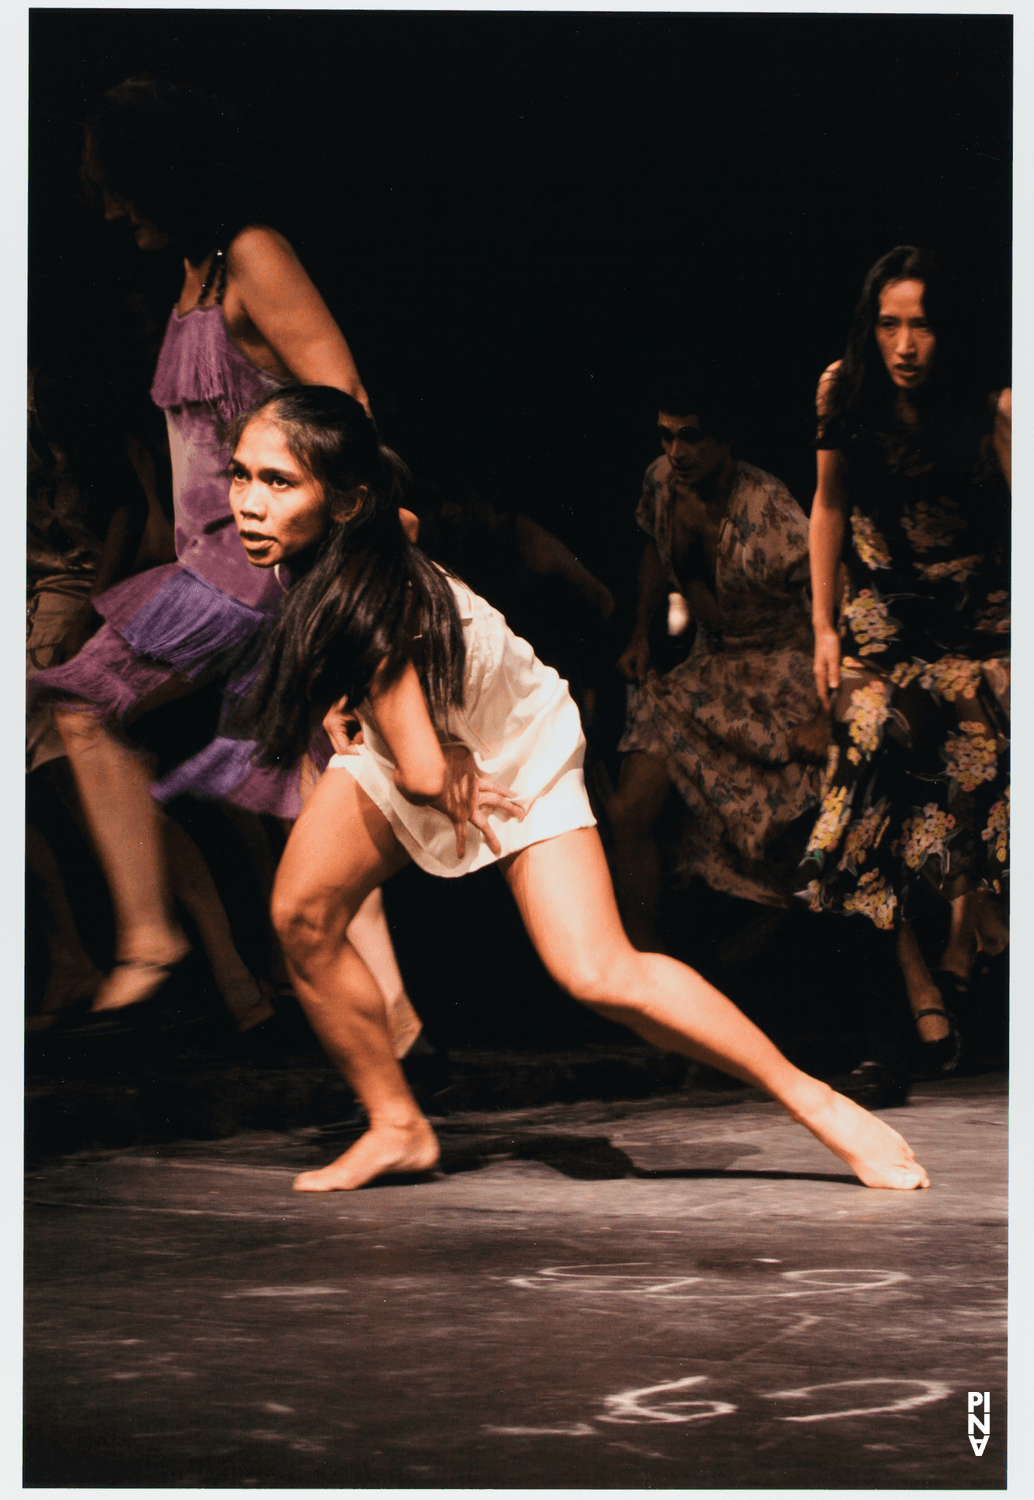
309 1182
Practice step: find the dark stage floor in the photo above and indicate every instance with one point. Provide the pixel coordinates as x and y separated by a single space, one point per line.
608 1295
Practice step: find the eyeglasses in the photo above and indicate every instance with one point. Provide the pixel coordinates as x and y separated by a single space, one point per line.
682 434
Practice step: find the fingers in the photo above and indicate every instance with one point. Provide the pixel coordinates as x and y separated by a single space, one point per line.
480 821
493 794
460 830
504 804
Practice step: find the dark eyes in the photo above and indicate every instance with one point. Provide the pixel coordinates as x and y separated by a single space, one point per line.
272 481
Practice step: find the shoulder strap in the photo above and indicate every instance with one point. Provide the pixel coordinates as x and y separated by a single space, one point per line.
217 277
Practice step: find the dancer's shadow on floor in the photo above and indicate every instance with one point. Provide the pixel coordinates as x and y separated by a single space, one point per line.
590 1159
595 1159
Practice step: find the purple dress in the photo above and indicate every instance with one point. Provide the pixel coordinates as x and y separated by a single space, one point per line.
206 616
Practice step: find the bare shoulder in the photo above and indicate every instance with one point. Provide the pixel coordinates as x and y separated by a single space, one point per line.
1003 406
258 252
827 382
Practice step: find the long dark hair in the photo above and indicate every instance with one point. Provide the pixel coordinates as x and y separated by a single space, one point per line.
362 596
172 152
863 392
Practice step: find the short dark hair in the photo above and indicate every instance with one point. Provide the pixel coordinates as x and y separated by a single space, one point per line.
706 396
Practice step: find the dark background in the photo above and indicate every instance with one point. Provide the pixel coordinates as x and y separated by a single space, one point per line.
514 217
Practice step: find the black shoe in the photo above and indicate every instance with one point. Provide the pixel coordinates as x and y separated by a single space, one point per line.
874 1086
940 1058
138 1020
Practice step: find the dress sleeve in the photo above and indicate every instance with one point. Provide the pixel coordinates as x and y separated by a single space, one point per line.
778 559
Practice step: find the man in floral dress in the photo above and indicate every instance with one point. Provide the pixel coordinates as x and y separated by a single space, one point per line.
736 727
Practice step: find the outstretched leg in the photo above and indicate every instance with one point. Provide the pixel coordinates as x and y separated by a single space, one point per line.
563 890
341 849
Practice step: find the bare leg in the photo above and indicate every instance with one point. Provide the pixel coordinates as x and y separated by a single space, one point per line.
975 927
565 897
923 993
340 850
368 933
642 789
73 974
126 828
196 892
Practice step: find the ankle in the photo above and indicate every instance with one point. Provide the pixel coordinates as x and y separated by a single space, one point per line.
808 1099
163 944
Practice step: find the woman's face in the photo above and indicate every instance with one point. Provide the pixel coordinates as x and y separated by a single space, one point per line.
146 233
904 337
279 507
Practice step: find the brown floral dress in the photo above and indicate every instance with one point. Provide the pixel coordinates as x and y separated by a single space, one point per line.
722 720
917 780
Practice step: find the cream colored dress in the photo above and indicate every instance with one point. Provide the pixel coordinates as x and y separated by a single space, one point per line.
523 727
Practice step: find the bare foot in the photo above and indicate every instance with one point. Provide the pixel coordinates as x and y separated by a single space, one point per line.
876 1154
383 1149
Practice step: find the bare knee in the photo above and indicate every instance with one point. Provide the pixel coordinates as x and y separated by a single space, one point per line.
604 981
77 727
309 923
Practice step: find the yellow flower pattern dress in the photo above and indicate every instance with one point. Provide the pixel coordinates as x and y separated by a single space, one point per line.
917 780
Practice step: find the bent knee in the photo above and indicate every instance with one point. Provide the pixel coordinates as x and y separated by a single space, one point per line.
602 981
77 723
308 923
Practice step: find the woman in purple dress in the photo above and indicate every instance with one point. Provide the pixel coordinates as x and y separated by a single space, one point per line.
248 318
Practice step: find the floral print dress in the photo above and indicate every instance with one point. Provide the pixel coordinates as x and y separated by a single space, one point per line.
917 780
722 720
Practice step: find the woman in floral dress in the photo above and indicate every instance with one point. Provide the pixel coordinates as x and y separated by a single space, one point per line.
913 474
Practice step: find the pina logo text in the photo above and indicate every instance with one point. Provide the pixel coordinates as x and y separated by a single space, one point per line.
982 1423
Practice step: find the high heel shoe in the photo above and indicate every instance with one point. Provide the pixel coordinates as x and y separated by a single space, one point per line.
941 1057
138 1018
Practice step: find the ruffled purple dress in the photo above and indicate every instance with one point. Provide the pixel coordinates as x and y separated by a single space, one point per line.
205 617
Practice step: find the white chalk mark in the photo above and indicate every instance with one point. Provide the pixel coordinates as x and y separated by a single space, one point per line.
844 1283
614 1280
627 1407
931 1390
572 1429
288 1291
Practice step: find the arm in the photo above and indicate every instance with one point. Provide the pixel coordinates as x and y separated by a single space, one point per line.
402 717
634 663
546 554
272 289
430 774
1002 436
825 545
